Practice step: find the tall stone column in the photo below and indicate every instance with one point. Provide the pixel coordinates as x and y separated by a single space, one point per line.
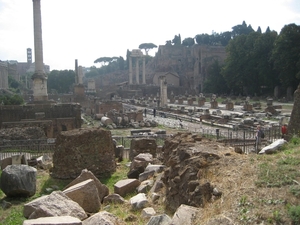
137 70
144 71
130 70
39 77
163 91
80 75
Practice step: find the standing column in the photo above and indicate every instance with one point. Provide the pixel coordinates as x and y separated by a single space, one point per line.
39 77
144 71
163 91
137 69
130 70
80 75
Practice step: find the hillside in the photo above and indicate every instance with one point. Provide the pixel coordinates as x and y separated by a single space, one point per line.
256 189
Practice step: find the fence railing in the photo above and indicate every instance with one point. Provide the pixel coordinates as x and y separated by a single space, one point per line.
241 138
31 148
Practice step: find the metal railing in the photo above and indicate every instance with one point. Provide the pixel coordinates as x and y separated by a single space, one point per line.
240 138
31 148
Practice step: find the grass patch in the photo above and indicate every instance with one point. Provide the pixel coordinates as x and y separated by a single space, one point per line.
282 168
120 174
271 175
295 190
294 214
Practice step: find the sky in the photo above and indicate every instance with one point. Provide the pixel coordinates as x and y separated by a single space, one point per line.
90 29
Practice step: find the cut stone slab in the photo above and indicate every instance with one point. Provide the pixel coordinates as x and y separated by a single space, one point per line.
55 204
126 186
114 198
86 195
186 215
148 212
139 201
160 219
56 220
103 218
85 175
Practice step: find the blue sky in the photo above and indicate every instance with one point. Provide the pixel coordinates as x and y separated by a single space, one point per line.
87 30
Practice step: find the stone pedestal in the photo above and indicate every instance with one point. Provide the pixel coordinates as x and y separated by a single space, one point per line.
269 102
248 107
190 101
201 101
229 106
180 100
172 100
214 105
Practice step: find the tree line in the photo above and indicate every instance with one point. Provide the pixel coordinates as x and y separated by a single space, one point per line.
256 62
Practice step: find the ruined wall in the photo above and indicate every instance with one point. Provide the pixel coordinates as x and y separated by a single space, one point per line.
171 78
190 63
104 107
79 149
63 116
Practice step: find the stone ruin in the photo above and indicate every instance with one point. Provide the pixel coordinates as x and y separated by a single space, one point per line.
19 133
186 163
79 149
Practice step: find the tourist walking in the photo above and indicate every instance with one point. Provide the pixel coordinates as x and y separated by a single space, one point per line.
284 131
145 111
154 112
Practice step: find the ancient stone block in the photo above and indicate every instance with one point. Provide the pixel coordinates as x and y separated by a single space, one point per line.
86 195
55 204
142 145
126 186
79 149
65 220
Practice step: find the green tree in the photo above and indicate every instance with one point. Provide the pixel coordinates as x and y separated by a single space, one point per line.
12 83
225 37
241 29
202 39
61 80
11 100
188 42
104 60
263 47
286 55
121 63
240 68
215 83
92 73
177 40
147 47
